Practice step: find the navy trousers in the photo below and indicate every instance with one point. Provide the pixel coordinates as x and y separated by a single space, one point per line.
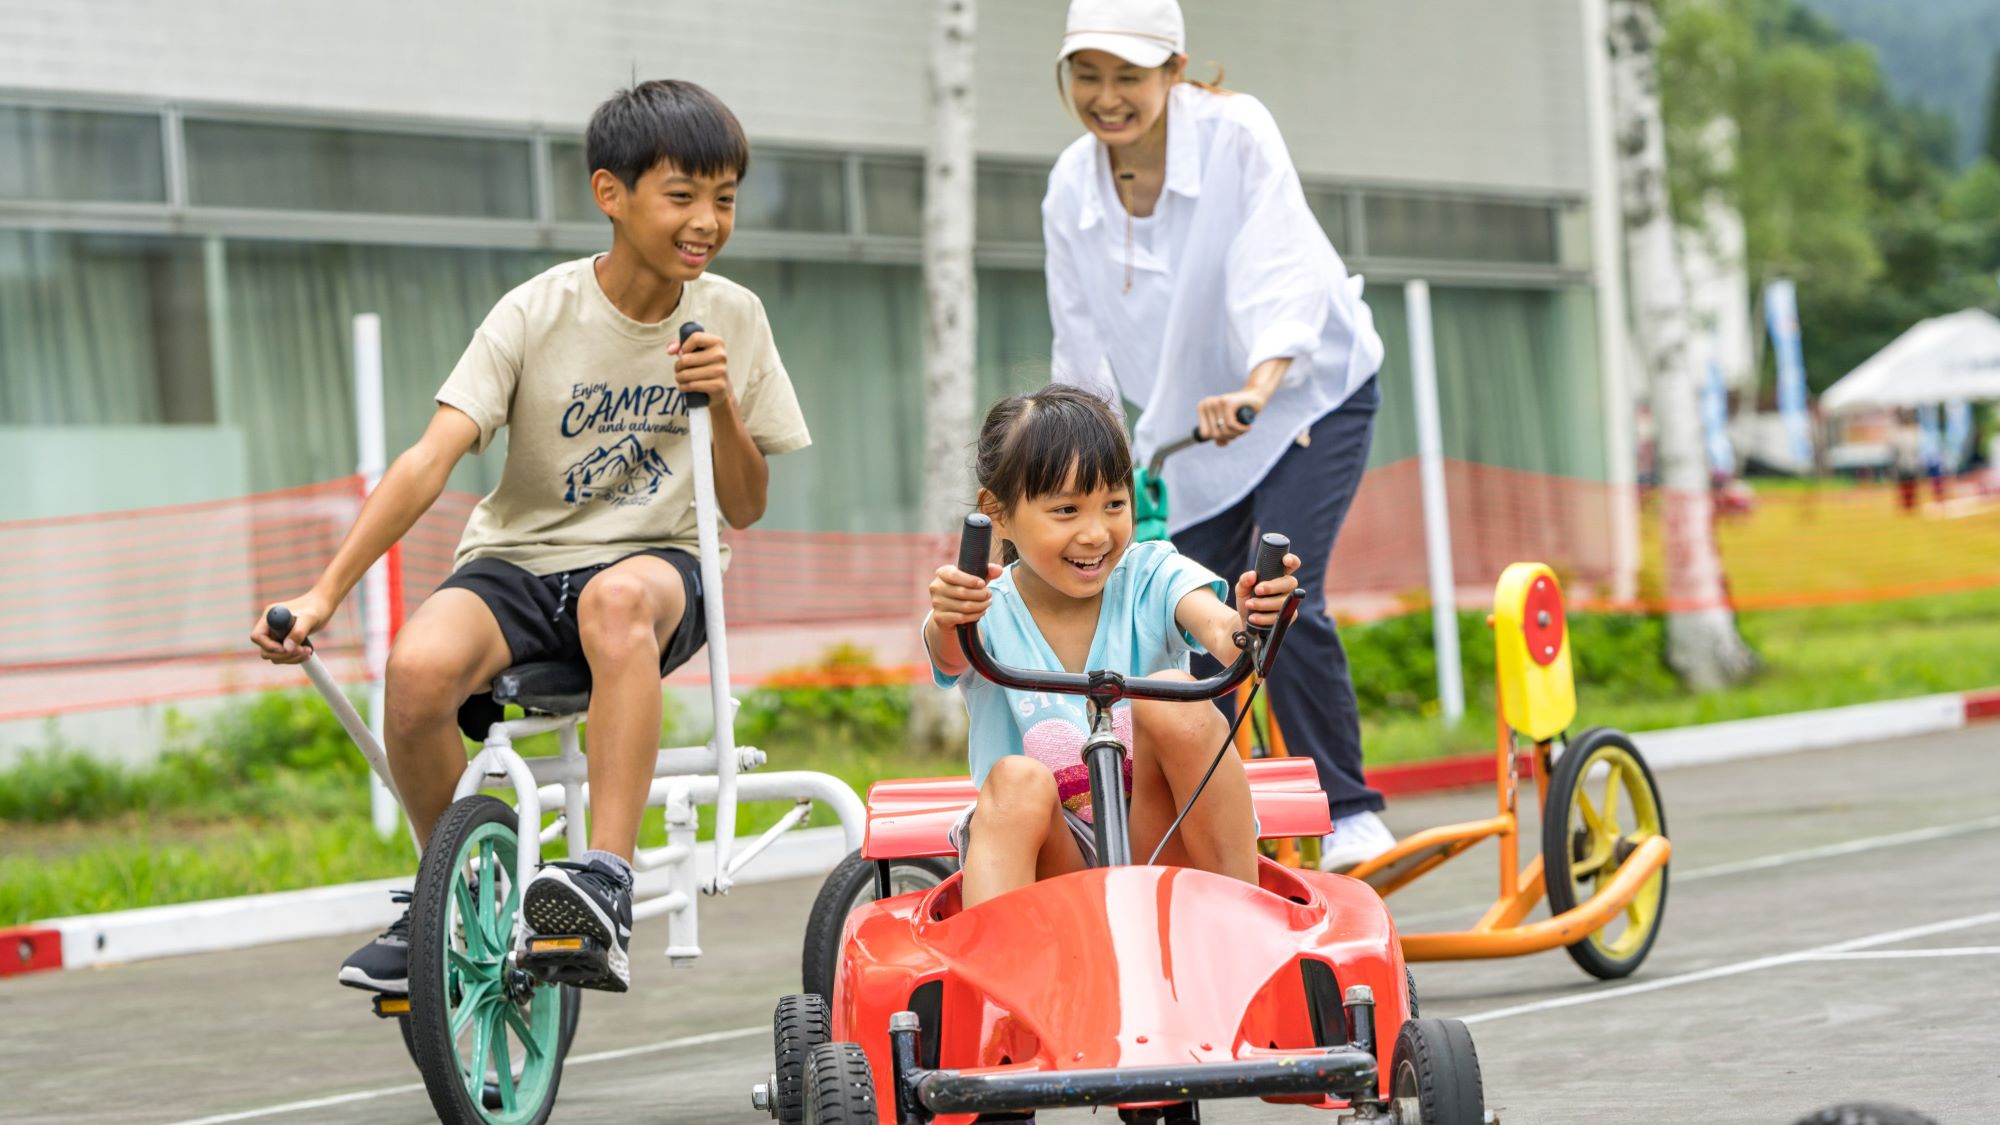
1306 496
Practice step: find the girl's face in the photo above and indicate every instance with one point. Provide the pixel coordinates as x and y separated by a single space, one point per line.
1071 540
1119 102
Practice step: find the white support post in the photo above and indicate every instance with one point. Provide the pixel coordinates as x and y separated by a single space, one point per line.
1437 517
371 462
723 741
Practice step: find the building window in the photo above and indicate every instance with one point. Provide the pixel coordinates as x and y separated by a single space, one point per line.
1404 225
892 196
70 154
313 168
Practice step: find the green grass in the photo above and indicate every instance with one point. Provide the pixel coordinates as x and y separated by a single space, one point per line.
272 797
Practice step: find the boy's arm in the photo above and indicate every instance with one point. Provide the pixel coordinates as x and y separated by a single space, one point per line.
407 490
741 475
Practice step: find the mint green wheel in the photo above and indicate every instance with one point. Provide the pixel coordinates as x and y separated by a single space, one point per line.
488 1039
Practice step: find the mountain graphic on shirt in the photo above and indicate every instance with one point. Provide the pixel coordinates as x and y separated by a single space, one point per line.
624 471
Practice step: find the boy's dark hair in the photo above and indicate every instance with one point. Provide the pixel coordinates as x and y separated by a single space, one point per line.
665 119
1030 443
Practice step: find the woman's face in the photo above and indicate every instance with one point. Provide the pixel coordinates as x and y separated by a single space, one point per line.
1119 102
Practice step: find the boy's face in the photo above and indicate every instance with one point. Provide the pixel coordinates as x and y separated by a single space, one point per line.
676 222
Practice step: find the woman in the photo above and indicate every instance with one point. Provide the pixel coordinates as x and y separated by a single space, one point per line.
1187 276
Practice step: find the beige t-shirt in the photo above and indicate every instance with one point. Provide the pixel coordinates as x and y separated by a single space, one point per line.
599 463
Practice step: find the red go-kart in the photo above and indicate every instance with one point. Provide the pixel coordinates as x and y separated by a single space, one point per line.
1148 988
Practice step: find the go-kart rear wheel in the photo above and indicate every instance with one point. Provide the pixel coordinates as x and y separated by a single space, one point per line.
473 1015
851 884
800 1024
840 1087
1602 804
1434 1078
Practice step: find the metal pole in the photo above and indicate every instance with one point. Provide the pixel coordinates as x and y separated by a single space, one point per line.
1437 517
371 445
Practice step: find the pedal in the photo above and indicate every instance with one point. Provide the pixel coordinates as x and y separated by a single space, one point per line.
567 959
388 1007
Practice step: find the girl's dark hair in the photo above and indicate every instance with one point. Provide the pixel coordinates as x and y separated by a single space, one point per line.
1030 444
665 120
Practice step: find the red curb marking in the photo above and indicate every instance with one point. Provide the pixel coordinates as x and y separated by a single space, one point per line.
1426 777
1980 705
29 949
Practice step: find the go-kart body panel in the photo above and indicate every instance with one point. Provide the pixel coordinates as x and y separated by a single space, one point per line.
1139 966
913 817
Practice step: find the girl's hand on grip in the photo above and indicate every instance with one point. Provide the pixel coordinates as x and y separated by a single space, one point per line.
958 598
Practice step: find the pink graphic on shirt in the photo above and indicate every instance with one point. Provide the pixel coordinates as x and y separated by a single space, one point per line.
1059 745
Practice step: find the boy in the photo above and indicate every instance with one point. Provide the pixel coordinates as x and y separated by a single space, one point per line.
586 549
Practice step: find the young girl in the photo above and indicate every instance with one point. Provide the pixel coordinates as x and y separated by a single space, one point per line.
1055 476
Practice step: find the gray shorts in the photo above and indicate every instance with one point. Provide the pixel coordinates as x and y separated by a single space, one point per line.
1081 829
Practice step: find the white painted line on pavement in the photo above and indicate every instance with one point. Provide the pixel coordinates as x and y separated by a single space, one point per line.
1900 954
1761 863
411 1087
1738 968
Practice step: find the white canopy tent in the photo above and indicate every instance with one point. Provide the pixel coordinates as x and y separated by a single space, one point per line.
1953 358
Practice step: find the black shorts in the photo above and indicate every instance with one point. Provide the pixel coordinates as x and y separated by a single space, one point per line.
537 616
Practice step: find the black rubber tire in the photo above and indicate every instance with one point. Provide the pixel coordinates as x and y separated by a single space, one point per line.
1435 1064
851 883
1556 848
1410 982
431 1041
490 1097
800 1024
840 1087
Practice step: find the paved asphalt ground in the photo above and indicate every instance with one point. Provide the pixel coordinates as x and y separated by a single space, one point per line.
1832 933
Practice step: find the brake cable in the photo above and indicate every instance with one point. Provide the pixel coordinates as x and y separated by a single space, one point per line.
1243 712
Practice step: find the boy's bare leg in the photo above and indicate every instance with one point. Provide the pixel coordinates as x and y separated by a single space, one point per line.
450 649
626 617
1019 833
1173 743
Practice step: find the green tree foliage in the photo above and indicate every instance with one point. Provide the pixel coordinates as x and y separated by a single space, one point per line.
1992 150
1842 187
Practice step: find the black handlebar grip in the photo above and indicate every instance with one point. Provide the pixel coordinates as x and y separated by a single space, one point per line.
698 398
1271 551
975 545
280 622
1244 414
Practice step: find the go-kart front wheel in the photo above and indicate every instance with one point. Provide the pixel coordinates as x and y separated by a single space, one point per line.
482 1031
1434 1078
840 1086
851 884
1602 804
800 1024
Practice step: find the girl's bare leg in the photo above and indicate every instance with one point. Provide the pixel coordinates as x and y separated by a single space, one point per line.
1173 744
1019 834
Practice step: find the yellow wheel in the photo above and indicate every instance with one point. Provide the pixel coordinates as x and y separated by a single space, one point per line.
1602 804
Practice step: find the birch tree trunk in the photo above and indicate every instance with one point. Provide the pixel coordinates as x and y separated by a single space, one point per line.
937 718
1703 646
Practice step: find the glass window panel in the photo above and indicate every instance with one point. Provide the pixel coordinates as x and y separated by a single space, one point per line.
1010 203
569 184
312 168
1329 206
892 196
1417 226
69 154
793 192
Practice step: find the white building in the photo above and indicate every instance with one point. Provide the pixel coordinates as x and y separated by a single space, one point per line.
196 196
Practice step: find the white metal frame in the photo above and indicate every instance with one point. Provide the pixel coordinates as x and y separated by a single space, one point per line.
684 777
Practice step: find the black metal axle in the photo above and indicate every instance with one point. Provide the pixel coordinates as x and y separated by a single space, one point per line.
1341 1072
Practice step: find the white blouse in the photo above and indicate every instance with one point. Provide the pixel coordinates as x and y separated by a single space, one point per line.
1236 271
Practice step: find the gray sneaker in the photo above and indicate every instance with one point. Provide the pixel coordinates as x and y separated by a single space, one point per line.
383 965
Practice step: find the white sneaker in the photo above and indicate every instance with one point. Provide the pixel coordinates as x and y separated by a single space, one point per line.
1355 839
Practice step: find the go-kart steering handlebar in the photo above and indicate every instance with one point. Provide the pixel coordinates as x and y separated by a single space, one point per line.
1259 649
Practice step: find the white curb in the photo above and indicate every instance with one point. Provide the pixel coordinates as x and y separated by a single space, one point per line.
1804 730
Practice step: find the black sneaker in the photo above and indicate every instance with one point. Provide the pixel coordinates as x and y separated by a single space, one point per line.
590 901
383 965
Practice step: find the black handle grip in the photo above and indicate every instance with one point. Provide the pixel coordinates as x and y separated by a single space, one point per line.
1244 414
975 545
698 398
280 621
1271 552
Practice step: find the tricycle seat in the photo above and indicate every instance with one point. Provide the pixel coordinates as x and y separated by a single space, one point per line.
549 687
910 818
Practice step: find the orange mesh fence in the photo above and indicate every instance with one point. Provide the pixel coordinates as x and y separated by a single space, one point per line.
155 605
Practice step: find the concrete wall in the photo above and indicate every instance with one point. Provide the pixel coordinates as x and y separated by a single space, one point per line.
1458 92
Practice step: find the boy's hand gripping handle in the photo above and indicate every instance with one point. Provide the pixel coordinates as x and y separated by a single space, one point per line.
279 620
975 545
698 398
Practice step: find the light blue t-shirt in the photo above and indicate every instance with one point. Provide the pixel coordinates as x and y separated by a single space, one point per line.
1136 635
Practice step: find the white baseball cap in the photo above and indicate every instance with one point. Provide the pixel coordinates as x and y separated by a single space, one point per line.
1142 32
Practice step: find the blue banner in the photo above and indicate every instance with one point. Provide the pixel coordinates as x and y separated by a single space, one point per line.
1781 314
1715 413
